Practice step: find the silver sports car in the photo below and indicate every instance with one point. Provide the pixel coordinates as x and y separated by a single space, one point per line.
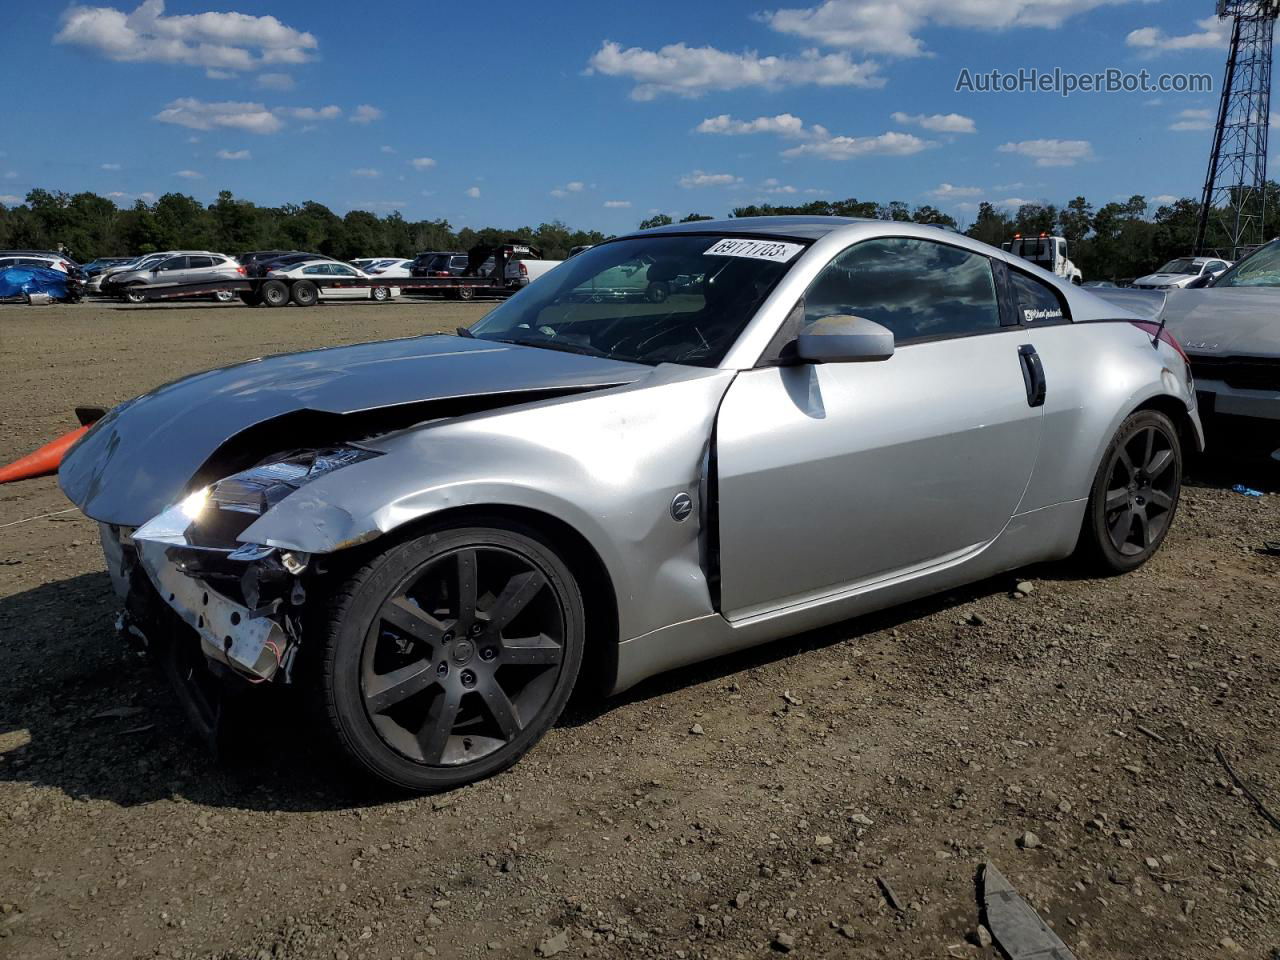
439 537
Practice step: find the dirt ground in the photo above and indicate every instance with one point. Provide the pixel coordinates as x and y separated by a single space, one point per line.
741 808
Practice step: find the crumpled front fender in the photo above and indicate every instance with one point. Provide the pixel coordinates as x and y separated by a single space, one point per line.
608 464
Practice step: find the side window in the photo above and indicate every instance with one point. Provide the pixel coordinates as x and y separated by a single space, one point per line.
1037 301
339 270
919 289
199 263
459 263
1215 266
173 263
317 270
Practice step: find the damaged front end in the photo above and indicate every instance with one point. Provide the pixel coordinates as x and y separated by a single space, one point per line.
243 601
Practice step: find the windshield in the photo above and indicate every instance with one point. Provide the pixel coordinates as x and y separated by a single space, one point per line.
1182 265
1259 269
1032 248
670 298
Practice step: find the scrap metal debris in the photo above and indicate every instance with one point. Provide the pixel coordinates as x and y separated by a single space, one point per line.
1016 928
890 896
1267 815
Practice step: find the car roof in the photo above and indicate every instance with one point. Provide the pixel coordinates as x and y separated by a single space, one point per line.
802 228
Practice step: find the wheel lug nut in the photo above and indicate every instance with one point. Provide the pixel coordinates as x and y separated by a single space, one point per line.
442 670
447 638
475 629
488 653
468 678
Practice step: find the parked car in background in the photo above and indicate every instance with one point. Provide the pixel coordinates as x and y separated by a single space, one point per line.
1231 332
841 416
255 263
1097 283
1181 272
97 270
440 263
42 259
574 251
327 277
175 270
394 268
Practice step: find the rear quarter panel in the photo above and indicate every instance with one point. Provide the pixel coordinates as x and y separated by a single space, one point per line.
1097 373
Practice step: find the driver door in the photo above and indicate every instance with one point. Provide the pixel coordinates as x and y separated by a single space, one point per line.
837 476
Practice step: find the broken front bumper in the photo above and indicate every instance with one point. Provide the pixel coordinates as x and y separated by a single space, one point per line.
254 641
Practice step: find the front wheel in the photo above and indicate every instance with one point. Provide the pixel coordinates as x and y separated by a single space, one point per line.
466 293
381 294
447 657
224 296
1134 495
133 296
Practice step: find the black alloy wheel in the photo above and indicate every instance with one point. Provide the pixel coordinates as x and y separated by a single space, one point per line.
1135 494
466 293
450 655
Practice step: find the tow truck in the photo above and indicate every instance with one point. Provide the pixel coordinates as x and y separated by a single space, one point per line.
1045 251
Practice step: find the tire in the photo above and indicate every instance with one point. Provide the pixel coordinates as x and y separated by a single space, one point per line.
249 298
381 294
274 294
466 293
224 296
305 293
465 706
657 292
1134 496
131 295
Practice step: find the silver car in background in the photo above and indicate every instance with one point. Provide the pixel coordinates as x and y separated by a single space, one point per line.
434 535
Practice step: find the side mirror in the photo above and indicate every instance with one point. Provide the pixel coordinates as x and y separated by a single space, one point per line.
840 338
1202 281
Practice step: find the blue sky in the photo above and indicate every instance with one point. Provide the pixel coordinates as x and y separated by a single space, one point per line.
601 113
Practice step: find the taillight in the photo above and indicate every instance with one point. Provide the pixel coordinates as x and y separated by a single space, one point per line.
241 271
1152 329
524 271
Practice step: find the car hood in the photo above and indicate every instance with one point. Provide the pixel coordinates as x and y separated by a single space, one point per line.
1163 279
144 454
1226 321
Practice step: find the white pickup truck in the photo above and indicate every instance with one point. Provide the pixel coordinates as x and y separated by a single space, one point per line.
524 265
1047 252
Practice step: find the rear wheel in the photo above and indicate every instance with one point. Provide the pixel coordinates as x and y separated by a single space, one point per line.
449 656
1134 495
381 294
224 296
274 294
657 291
466 293
132 295
305 293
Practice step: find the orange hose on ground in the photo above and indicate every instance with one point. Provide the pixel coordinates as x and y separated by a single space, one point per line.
42 462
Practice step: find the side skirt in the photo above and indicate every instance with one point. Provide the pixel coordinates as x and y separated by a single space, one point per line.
1049 533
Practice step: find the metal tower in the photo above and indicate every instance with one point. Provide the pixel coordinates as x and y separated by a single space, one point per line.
1234 199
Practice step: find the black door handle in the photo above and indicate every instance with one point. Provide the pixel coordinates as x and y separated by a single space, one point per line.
1032 374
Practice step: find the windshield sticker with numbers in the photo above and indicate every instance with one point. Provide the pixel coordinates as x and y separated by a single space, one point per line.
775 250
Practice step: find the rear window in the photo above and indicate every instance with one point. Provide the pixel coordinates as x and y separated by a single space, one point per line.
1037 301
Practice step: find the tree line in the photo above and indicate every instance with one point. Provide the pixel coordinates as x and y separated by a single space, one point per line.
1116 240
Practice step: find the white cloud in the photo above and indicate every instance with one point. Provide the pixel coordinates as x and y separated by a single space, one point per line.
1193 120
221 41
386 148
422 163
784 125
220 74
275 81
110 166
949 191
189 174
472 192
367 172
573 186
617 204
365 114
773 185
331 112
892 143
1164 199
1011 203
11 175
692 71
9 199
1212 34
1009 186
937 122
233 155
701 179
890 26
1051 153
204 115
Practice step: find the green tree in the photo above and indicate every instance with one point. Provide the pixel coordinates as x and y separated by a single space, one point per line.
657 220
